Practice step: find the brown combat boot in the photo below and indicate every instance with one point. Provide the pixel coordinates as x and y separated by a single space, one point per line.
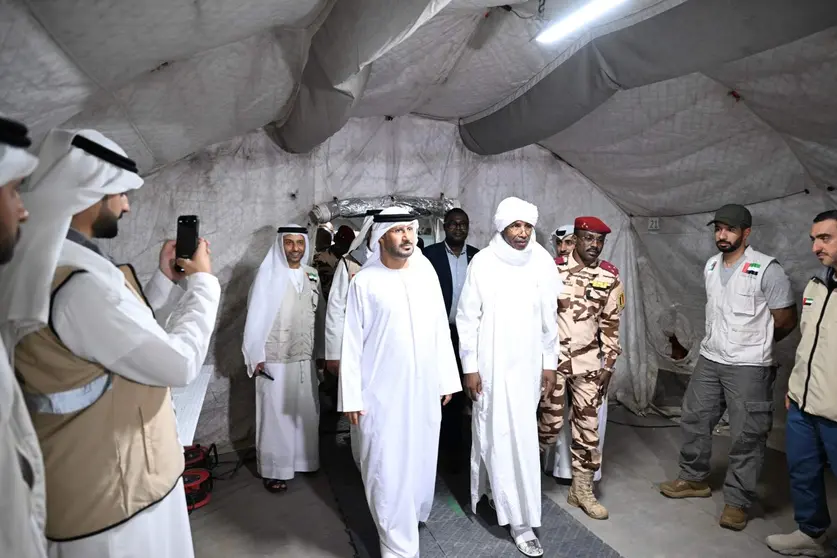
680 488
581 495
733 518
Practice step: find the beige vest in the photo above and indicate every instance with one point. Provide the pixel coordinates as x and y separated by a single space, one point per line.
110 460
352 265
812 382
291 338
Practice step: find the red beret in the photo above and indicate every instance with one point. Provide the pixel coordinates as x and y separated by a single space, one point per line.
592 224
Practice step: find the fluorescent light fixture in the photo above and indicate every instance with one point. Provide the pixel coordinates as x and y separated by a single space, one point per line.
579 18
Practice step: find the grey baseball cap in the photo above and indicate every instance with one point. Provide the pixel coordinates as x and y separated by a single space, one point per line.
733 215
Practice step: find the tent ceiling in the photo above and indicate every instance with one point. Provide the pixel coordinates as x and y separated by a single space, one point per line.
686 145
166 78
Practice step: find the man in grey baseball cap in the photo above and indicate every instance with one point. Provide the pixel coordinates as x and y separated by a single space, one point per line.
749 307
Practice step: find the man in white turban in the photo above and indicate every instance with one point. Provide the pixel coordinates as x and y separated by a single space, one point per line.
97 355
279 351
23 512
508 342
335 315
396 364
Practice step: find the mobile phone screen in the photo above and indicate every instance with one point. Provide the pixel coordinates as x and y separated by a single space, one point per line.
187 237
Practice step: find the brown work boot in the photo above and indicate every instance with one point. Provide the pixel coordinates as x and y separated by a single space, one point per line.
581 495
733 518
680 488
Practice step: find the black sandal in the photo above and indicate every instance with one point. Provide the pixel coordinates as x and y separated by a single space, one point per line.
274 485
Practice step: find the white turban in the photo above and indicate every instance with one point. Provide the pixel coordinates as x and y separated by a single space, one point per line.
564 231
76 169
15 161
514 209
264 301
379 229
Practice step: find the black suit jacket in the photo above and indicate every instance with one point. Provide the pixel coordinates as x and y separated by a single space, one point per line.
438 256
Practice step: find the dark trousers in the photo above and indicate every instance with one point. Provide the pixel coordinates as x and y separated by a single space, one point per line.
747 391
811 445
451 434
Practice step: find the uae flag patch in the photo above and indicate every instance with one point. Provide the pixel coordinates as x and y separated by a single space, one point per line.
807 301
751 268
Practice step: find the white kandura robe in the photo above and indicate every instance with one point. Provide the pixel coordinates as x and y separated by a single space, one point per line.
23 511
397 361
287 408
508 330
168 351
335 317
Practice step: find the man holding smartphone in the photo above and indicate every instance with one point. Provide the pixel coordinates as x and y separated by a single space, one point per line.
97 356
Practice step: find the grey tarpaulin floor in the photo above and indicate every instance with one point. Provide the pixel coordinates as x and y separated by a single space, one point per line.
245 521
452 530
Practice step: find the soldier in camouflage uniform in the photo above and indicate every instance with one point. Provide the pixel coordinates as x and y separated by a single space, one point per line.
588 327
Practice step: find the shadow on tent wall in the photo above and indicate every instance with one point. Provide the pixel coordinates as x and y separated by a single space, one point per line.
229 362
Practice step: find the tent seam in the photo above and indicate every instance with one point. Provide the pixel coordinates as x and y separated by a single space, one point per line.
809 177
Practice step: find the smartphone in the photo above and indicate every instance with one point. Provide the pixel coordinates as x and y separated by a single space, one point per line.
187 237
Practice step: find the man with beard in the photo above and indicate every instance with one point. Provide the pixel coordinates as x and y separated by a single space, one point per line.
749 307
450 259
508 336
396 366
279 351
95 361
21 464
588 328
810 437
564 238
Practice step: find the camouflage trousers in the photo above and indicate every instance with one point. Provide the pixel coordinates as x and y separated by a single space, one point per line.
586 395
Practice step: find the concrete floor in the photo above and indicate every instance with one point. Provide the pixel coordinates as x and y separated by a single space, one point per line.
245 521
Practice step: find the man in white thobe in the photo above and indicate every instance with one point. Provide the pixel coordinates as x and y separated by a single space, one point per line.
279 351
396 363
96 362
508 342
23 512
335 315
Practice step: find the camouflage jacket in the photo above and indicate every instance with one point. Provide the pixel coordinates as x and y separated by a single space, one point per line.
325 263
588 315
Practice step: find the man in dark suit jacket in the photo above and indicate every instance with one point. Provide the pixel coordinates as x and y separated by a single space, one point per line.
450 259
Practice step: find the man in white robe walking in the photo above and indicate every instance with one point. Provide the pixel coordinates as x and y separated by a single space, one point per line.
23 513
508 341
96 362
335 315
396 363
279 345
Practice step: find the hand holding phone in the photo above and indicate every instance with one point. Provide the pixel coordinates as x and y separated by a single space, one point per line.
200 261
188 234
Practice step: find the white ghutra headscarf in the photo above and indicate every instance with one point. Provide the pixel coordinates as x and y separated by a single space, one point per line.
77 168
15 161
387 219
264 301
564 231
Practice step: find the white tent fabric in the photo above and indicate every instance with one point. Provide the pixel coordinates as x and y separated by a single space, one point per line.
201 93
